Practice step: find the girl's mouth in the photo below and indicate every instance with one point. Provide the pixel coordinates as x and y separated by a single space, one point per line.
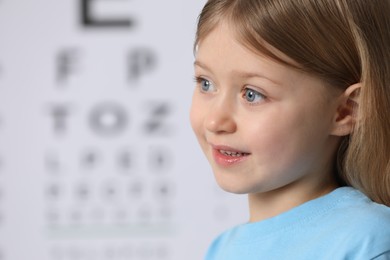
226 156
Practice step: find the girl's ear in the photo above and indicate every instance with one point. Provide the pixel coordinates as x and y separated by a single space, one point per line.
346 114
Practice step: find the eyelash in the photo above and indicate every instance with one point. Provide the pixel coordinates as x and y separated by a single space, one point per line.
198 80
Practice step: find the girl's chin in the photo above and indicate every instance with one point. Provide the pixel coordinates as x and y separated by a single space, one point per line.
235 187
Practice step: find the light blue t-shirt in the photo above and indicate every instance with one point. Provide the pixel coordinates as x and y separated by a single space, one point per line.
343 224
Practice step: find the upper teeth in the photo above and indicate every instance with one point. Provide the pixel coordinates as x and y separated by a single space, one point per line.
230 153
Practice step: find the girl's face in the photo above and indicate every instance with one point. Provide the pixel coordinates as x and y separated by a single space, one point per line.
263 126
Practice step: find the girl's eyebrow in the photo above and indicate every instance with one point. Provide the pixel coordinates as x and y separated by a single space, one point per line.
248 75
200 64
241 74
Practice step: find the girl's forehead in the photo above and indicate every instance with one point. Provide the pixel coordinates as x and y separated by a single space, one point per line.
223 39
225 31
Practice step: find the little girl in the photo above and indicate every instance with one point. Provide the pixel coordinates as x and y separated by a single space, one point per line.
292 107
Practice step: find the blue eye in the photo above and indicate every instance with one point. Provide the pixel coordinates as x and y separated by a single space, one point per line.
252 96
205 85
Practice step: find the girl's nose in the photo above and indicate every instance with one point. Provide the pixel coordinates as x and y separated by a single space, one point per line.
220 119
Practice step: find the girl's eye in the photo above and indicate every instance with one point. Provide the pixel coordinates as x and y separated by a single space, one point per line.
252 96
205 85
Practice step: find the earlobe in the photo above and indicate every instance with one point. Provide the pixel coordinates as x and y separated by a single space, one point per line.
346 114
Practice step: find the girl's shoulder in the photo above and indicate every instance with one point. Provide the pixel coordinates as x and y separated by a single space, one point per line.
354 206
361 225
363 217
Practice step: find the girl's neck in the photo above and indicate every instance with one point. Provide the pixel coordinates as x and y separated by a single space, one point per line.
270 204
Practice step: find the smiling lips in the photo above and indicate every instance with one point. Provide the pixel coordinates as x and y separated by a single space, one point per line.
226 156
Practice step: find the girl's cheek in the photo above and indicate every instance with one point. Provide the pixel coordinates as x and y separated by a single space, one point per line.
195 115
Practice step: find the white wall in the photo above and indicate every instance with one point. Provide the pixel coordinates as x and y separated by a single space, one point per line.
97 158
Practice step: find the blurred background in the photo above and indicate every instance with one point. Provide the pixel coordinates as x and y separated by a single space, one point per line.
97 157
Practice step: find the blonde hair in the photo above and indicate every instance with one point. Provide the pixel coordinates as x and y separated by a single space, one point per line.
342 42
